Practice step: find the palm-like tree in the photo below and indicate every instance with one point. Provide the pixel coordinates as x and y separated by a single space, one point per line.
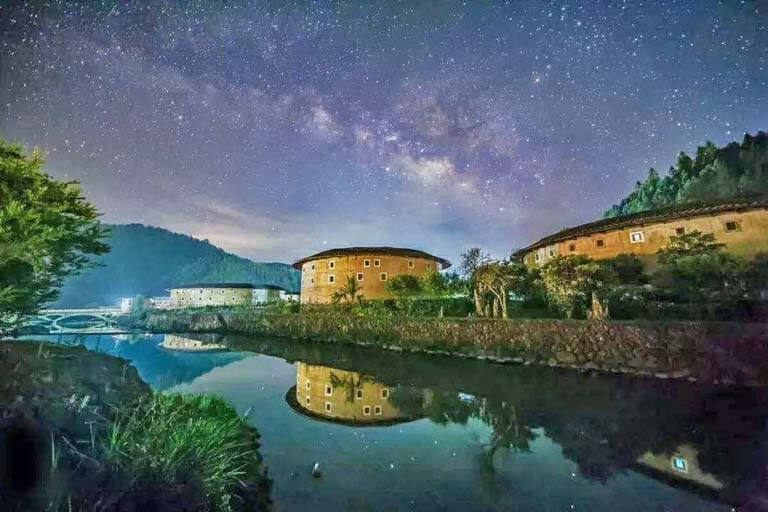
350 290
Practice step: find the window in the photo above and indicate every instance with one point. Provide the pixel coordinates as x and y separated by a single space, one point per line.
307 400
601 243
359 394
636 237
679 231
377 410
331 279
376 263
327 406
360 276
366 410
537 257
429 266
385 393
551 252
312 267
312 280
328 390
679 464
331 264
309 384
732 226
366 263
410 263
383 276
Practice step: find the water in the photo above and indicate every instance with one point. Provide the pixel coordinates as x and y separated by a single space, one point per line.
406 432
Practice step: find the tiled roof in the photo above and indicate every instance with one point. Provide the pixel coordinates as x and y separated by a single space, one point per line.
649 217
213 285
386 251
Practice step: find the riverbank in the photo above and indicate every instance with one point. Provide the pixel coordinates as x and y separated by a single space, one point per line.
80 430
714 352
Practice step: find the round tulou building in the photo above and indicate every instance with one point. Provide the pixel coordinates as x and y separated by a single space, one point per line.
327 272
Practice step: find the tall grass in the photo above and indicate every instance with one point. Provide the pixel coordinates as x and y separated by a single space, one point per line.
197 443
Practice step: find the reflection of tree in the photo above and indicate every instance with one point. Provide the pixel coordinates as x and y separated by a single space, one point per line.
507 431
349 383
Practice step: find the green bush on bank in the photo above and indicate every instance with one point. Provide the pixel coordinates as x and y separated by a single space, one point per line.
197 443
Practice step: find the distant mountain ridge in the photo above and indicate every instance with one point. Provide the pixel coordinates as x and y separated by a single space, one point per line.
148 260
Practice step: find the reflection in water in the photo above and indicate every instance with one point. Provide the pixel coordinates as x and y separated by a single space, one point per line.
185 343
345 397
469 435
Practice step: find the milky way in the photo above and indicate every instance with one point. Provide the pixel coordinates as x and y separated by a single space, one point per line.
279 131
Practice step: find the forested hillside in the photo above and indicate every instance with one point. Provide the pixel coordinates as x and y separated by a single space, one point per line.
714 173
146 260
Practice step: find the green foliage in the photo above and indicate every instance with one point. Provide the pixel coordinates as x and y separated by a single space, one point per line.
434 284
147 260
628 269
715 173
47 232
705 277
570 281
196 441
694 243
140 306
404 285
348 292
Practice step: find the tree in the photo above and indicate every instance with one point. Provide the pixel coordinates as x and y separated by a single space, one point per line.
433 284
471 260
348 292
694 243
404 286
140 306
570 281
493 283
628 268
47 232
705 277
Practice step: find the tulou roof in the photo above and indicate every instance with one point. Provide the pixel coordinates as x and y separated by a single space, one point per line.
650 217
214 285
387 251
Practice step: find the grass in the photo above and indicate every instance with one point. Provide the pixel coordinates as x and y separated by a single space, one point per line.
198 443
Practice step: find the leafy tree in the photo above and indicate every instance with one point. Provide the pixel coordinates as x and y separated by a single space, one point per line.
628 268
493 283
434 284
705 277
715 173
570 281
471 260
694 243
140 305
47 232
404 286
348 292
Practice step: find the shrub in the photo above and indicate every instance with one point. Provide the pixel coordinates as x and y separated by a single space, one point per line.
571 280
196 442
628 268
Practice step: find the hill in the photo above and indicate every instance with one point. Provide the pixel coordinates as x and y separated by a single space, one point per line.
735 170
147 260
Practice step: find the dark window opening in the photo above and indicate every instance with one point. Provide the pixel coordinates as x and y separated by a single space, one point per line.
600 243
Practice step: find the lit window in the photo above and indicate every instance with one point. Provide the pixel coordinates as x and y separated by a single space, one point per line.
732 226
383 276
679 464
359 394
328 390
680 231
366 263
377 410
410 263
331 279
366 410
331 264
360 276
385 393
636 237
328 406
601 243
377 263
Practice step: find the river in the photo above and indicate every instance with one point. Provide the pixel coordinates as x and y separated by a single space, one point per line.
409 432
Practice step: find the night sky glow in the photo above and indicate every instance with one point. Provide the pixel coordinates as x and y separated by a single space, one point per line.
279 131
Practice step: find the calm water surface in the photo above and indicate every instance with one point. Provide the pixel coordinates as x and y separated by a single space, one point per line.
406 432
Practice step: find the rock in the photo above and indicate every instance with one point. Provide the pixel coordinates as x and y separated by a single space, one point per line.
316 473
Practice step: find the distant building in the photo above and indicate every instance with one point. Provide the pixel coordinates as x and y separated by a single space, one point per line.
211 294
742 225
343 396
326 272
126 303
267 293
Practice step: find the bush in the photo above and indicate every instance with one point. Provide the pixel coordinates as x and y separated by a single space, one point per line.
198 443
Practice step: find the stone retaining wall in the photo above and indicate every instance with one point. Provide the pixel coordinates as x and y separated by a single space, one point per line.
719 352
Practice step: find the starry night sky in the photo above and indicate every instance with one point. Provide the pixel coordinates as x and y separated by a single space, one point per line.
279 131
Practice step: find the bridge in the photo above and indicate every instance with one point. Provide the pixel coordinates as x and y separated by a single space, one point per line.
50 318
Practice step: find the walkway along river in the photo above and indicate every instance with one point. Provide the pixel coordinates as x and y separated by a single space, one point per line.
393 431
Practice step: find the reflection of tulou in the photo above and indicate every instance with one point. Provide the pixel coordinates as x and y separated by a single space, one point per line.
344 397
683 464
175 342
